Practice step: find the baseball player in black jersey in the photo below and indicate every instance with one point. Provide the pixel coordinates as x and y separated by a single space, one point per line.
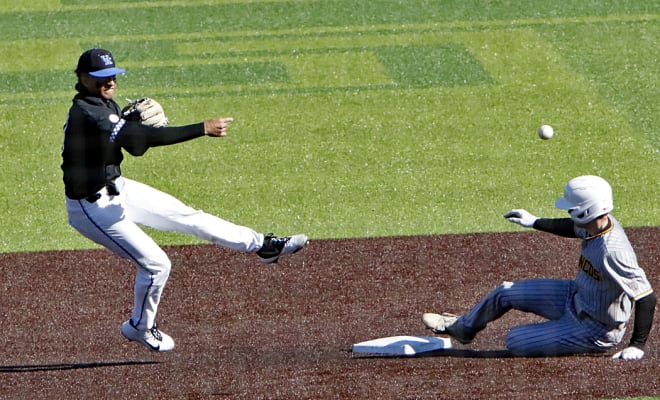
108 208
584 315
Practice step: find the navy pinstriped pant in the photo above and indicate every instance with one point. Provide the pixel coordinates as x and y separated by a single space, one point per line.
563 334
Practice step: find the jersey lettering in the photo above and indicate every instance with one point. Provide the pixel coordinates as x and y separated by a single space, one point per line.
587 268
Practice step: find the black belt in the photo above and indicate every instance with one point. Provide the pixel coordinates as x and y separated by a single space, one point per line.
93 198
110 188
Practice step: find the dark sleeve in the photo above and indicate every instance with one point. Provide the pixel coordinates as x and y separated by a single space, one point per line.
644 310
559 226
137 138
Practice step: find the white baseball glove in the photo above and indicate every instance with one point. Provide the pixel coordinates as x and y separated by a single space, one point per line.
146 110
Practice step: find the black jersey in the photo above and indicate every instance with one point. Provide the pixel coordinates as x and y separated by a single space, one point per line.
95 134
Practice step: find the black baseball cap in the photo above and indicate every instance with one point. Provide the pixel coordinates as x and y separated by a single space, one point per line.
98 63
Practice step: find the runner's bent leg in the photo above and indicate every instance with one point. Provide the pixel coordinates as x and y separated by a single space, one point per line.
544 297
566 336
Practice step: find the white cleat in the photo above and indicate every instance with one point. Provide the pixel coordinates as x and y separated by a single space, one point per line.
274 247
153 339
442 324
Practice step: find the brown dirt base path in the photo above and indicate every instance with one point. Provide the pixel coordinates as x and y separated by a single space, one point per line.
284 331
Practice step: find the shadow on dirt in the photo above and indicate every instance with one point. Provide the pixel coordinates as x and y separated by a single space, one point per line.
60 367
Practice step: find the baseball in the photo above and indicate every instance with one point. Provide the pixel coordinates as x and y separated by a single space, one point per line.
546 132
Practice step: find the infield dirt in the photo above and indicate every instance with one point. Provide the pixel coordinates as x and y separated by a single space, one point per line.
284 331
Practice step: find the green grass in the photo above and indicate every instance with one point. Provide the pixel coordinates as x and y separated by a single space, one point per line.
641 398
353 119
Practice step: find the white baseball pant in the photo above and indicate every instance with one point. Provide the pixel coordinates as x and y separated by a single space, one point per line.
112 221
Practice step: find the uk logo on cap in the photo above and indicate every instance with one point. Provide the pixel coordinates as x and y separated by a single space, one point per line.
107 60
98 63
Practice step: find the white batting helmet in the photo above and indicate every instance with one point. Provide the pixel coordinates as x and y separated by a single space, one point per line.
586 198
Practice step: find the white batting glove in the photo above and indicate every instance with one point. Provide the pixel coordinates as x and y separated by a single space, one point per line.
630 353
521 217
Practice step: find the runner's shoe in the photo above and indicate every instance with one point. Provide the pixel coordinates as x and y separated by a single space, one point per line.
443 324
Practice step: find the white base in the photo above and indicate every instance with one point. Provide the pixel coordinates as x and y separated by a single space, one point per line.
402 345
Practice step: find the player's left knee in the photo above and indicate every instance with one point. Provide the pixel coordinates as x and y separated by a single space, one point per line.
159 267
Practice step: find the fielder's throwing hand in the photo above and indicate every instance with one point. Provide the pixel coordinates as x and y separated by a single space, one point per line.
217 127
